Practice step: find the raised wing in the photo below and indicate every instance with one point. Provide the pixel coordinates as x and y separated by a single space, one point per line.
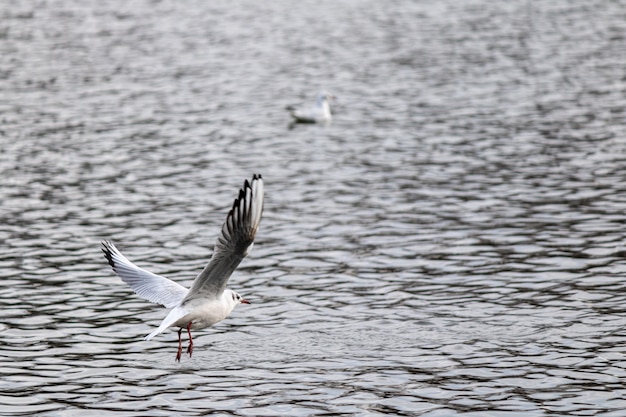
233 243
147 285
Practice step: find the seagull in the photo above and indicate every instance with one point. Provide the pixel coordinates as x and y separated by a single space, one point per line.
208 301
319 113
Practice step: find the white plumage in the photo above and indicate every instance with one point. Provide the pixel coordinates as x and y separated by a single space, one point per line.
318 113
207 301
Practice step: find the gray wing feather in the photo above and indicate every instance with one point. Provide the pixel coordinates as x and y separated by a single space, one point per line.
147 285
233 243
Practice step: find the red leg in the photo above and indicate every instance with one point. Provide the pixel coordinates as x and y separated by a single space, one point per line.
190 347
180 345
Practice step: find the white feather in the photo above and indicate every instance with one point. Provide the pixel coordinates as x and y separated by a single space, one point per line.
149 286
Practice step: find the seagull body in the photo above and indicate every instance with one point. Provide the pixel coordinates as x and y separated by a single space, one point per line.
319 113
208 301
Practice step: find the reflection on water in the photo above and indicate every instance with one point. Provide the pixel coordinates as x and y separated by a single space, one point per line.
451 244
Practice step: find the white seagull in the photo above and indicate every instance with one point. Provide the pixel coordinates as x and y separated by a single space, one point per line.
320 112
207 301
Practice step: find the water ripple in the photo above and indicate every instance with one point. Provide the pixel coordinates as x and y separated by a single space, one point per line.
450 245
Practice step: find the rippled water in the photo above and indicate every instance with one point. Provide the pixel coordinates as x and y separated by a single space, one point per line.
452 244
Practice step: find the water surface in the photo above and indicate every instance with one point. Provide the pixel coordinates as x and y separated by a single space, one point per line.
450 245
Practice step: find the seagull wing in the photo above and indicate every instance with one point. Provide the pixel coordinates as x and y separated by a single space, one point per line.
233 243
304 115
147 285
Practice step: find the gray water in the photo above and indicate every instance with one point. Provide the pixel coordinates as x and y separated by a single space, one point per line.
452 244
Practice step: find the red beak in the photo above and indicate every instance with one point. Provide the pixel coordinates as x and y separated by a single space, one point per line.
244 301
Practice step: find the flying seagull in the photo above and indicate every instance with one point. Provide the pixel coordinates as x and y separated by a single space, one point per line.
208 301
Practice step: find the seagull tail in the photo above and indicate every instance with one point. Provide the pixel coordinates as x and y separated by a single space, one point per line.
174 315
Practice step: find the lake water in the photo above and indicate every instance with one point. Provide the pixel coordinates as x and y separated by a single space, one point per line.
452 244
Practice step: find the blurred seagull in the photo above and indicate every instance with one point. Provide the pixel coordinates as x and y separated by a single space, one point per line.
207 301
320 112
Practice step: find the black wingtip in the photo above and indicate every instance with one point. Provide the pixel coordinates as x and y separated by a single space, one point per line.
241 197
108 253
242 191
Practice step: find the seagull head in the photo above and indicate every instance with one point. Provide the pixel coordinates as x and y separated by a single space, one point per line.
233 298
324 96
